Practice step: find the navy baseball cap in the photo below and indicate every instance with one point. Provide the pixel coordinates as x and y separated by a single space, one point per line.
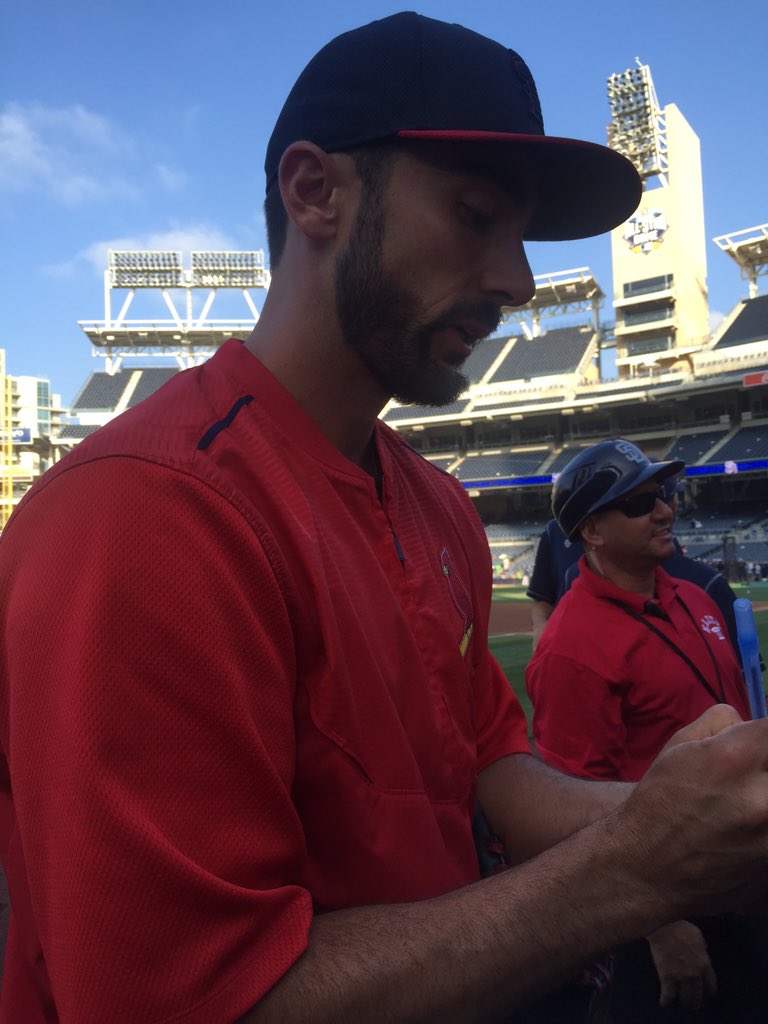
417 78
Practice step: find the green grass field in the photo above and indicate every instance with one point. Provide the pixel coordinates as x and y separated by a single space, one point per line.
514 652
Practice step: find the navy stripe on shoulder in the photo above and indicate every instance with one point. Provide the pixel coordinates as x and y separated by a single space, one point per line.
216 429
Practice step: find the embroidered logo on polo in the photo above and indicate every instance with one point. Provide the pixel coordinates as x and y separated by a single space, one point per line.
461 599
709 624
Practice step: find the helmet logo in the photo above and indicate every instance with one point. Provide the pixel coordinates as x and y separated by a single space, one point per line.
630 452
583 474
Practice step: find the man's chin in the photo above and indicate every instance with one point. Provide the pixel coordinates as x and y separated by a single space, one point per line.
441 387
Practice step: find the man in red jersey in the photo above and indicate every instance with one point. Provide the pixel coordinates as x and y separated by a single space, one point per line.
631 655
241 759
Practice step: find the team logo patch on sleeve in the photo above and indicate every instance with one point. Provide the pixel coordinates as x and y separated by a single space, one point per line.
461 599
709 624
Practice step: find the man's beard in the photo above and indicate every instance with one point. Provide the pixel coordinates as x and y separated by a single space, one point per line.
383 321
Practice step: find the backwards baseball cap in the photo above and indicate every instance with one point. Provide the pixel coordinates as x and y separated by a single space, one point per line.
418 78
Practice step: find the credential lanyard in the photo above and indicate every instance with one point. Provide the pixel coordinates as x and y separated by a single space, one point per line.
718 698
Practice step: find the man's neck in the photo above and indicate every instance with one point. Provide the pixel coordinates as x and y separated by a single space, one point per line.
639 580
311 360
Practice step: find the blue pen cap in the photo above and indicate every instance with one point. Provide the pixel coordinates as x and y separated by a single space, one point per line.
745 626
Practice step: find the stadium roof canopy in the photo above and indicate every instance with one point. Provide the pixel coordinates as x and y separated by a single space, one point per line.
188 336
567 291
749 249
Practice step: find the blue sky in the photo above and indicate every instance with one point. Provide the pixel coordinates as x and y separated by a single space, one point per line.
143 124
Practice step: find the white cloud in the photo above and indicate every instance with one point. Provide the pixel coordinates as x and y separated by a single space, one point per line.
181 237
715 319
69 154
170 178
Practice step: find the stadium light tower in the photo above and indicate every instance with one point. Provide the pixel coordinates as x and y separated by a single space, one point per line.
186 336
637 129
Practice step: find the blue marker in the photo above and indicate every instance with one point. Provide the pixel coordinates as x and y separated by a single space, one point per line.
750 656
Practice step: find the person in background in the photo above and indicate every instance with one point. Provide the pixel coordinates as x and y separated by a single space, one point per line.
557 564
629 656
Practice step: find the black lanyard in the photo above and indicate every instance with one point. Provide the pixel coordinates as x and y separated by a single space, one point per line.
718 698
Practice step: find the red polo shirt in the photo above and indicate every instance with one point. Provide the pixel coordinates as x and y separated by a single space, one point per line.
237 689
608 692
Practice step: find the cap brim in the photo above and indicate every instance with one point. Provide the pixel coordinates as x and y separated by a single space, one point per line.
666 469
583 189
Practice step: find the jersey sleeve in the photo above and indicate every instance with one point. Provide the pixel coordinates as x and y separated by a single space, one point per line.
577 716
502 725
150 681
543 586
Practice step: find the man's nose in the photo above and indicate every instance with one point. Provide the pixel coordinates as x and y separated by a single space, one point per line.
507 275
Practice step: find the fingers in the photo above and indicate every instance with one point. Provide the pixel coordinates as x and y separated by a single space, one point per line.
691 993
713 721
699 817
688 994
683 966
710 981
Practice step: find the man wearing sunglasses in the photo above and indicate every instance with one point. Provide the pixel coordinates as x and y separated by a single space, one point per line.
629 656
557 565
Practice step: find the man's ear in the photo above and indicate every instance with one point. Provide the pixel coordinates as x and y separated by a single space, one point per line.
589 531
312 187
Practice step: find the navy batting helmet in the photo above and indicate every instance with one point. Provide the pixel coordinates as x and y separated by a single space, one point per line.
600 474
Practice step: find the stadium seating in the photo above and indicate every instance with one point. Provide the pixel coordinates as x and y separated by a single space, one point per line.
101 391
443 462
502 464
151 379
693 447
562 459
722 518
73 432
514 532
749 443
420 412
750 324
483 357
557 352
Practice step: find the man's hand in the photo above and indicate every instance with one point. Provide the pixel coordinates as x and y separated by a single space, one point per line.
700 816
682 963
713 721
540 613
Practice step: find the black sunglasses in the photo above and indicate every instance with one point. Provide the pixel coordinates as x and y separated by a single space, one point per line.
637 505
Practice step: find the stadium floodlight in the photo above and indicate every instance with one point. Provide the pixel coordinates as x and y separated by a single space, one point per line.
749 249
229 269
637 123
145 269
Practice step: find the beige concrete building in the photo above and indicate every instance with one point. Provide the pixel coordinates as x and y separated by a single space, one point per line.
659 255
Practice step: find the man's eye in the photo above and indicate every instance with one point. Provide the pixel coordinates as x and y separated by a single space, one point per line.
475 218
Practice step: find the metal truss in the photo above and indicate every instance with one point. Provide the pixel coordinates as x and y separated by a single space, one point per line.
749 249
187 336
567 291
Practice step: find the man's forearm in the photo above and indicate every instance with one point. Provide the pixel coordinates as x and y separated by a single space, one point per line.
681 844
540 613
532 806
471 955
